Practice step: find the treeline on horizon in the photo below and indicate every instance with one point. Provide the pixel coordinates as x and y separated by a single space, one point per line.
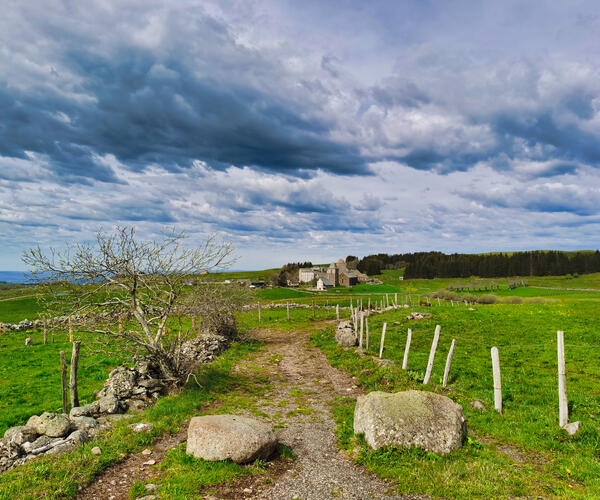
439 265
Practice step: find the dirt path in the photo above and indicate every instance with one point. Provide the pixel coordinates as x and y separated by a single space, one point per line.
304 385
301 387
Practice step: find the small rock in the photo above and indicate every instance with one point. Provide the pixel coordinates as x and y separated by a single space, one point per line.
96 450
79 436
28 341
109 404
152 487
147 452
148 497
20 434
247 491
141 427
50 424
478 405
572 427
85 422
149 462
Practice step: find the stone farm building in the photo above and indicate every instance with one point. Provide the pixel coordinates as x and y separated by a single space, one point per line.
336 274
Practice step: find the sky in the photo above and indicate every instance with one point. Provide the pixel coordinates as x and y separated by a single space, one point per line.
301 130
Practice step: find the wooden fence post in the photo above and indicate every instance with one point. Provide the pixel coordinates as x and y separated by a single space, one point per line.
362 326
407 349
367 327
563 409
369 305
382 340
45 332
70 330
436 338
73 379
63 372
438 301
497 380
448 363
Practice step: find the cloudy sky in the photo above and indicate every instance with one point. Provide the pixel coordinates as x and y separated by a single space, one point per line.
301 130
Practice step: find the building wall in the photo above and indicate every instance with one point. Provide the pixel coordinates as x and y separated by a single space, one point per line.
306 275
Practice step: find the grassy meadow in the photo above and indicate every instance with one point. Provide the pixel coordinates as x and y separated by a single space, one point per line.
521 453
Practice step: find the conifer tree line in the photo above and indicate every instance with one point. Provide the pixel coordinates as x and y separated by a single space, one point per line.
439 265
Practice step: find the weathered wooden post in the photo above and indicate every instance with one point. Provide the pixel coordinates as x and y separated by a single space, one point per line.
448 363
362 325
63 372
563 409
73 379
337 314
406 350
70 330
396 300
438 301
382 340
367 327
45 332
497 380
436 338
369 304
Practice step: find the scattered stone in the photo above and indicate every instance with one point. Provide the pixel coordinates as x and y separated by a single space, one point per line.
109 404
148 497
478 405
572 427
50 424
79 436
147 452
411 418
85 422
141 427
219 437
247 491
96 450
152 487
383 362
418 315
149 462
28 341
90 410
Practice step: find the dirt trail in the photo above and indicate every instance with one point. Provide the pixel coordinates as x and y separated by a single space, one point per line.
302 385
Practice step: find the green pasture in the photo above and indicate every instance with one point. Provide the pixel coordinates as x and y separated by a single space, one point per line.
522 452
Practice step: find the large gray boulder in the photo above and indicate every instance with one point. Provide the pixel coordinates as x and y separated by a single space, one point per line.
412 418
222 437
50 424
345 335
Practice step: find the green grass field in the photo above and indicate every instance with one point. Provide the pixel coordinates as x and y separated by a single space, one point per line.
538 452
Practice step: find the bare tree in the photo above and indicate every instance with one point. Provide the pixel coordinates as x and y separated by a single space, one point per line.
134 292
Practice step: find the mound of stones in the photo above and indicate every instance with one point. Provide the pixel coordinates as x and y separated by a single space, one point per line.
234 437
345 334
125 389
410 419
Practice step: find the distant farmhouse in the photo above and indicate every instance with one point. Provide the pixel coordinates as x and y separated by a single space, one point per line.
335 275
